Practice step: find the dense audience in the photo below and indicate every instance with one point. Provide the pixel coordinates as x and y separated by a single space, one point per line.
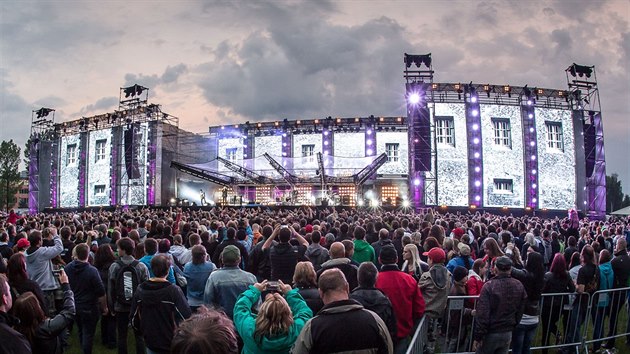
307 280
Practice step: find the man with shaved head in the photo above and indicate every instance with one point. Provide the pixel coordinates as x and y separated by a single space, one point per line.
338 260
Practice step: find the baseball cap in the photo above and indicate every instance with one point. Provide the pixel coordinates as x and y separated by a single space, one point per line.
464 250
23 243
230 254
436 254
388 254
459 273
503 263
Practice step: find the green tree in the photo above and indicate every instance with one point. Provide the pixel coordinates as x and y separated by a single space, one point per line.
615 198
9 174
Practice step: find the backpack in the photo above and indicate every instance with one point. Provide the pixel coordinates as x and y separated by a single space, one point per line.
127 281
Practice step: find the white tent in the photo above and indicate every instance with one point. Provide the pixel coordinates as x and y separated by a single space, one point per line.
622 211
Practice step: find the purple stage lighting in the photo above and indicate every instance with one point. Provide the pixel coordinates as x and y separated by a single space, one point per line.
416 182
369 152
368 132
368 142
414 98
475 126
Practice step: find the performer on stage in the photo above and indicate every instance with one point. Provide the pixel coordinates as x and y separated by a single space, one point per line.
224 193
202 196
294 196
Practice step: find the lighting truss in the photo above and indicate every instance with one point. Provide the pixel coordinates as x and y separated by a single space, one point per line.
245 172
370 169
213 177
288 177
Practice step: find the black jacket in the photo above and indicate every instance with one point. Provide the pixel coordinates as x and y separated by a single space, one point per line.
13 342
283 258
344 326
216 257
47 337
621 269
86 284
156 310
375 300
259 263
311 296
378 245
346 267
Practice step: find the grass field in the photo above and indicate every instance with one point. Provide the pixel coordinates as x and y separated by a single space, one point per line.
99 348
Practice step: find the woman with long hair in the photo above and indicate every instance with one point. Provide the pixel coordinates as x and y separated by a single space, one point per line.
492 251
412 263
305 280
557 280
102 261
586 285
42 332
20 282
532 278
280 318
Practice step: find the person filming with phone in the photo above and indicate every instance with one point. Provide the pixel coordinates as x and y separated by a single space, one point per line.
279 321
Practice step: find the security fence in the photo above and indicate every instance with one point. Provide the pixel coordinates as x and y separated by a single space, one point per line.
573 322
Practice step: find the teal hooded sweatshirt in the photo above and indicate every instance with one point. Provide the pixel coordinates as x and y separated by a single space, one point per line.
606 277
245 323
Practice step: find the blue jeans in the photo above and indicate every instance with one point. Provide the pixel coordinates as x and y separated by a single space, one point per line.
522 337
86 320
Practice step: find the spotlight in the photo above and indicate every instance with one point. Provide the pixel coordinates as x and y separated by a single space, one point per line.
416 182
580 70
360 202
405 203
414 98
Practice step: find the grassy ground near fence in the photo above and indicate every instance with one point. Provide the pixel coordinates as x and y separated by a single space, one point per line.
99 348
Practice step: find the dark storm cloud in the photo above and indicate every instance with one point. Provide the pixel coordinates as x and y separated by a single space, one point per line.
15 113
310 69
170 75
103 104
42 30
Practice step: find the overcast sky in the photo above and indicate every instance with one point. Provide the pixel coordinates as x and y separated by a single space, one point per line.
217 62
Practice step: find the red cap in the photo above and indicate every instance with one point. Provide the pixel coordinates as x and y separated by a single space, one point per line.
309 228
458 232
23 243
436 254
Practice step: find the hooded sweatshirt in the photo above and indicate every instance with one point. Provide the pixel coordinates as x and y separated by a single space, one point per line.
161 306
317 255
245 323
86 284
39 266
363 252
435 285
606 278
182 254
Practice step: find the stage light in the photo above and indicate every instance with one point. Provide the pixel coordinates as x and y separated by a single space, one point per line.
534 172
531 115
531 129
368 142
533 157
326 152
360 202
534 200
368 132
477 183
326 132
473 99
284 135
476 141
531 143
434 86
580 70
477 155
405 203
529 102
475 112
477 198
416 182
369 152
477 168
284 144
373 203
475 126
326 142
284 153
414 98
534 185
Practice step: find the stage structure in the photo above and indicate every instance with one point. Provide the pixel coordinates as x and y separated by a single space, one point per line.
117 158
461 144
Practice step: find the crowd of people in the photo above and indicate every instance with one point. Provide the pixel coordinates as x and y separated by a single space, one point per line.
306 280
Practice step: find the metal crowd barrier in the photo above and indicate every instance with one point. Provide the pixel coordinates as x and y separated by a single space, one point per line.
563 323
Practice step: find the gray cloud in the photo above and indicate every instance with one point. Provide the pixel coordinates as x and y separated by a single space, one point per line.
104 104
170 75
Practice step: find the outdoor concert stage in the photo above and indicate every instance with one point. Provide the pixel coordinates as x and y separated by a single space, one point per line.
467 146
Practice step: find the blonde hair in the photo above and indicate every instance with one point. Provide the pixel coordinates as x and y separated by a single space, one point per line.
274 317
305 275
415 257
